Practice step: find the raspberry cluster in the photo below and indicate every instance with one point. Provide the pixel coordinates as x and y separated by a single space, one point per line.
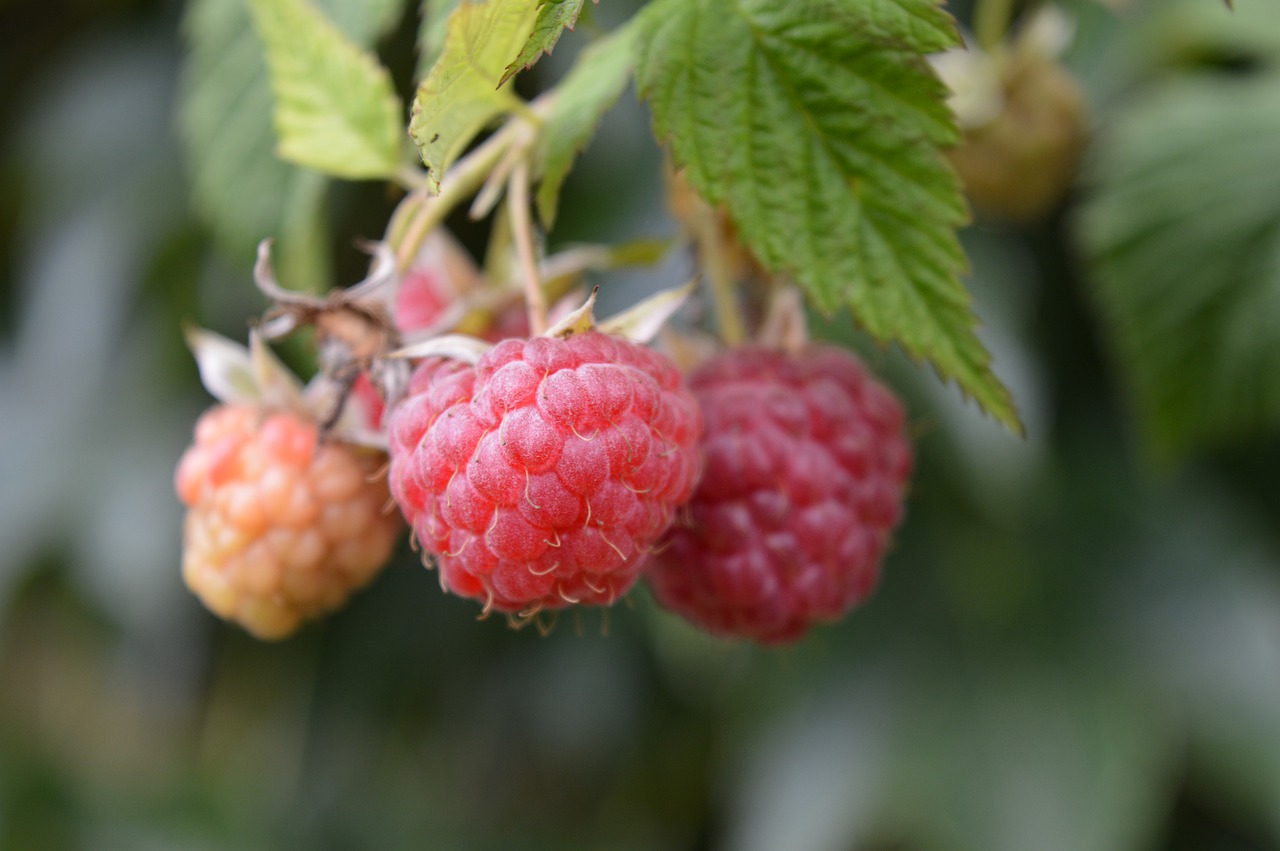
280 526
806 467
539 472
543 476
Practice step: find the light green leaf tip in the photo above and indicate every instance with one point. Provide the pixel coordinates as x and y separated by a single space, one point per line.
553 17
820 127
336 110
462 95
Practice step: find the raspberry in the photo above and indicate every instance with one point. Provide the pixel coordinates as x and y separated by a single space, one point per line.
806 466
370 399
542 476
280 527
421 299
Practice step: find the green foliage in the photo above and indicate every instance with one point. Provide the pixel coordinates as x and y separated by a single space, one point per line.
336 111
1047 744
820 126
462 94
592 86
364 23
553 17
1188 32
431 31
1184 231
239 187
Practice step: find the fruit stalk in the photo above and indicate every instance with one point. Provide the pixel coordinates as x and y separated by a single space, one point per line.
462 181
522 232
990 21
719 278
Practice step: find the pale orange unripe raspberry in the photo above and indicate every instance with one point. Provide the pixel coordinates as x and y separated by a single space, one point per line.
281 526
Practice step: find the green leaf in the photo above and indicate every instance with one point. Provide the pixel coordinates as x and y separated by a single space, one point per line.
592 86
553 17
336 110
820 126
364 22
462 94
431 32
1184 233
239 187
1189 33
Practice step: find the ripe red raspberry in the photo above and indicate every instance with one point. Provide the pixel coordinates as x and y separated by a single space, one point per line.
806 464
542 476
280 527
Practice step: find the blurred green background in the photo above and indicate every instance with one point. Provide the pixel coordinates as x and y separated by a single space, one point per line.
1075 645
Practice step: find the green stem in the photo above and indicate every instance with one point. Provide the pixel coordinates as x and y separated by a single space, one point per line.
411 178
522 235
463 180
724 299
991 21
522 109
460 183
402 215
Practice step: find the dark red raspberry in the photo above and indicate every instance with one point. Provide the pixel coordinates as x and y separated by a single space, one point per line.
542 476
806 464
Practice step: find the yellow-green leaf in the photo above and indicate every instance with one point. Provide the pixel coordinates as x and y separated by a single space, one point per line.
335 108
553 17
431 30
462 94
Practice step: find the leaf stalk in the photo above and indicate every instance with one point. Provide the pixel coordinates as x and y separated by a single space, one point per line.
990 22
715 262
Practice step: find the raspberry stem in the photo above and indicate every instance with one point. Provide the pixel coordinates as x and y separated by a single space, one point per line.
466 176
411 178
463 179
990 21
719 278
522 233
